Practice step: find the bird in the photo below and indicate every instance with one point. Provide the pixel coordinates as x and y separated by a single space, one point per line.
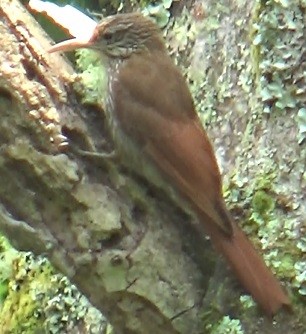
153 118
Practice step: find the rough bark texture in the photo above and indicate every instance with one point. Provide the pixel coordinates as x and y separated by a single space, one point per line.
127 248
107 233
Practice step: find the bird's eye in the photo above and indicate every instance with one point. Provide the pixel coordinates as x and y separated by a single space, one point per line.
107 36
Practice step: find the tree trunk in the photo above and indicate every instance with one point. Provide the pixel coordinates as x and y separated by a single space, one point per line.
124 244
114 237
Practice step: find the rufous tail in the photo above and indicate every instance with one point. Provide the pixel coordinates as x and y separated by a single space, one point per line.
250 268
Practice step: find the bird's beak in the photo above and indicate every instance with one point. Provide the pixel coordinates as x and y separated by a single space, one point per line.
70 45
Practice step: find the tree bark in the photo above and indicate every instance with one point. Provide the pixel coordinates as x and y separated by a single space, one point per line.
113 235
124 244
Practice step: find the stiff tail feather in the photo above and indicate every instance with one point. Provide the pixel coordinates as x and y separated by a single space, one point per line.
250 269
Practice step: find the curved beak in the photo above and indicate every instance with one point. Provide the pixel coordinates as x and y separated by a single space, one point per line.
70 45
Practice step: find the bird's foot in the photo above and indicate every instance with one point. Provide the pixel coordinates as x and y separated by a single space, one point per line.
95 155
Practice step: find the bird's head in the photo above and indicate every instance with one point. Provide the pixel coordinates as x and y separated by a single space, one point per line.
118 36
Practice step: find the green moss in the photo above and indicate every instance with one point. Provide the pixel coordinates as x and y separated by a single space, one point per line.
93 77
278 48
262 203
301 121
227 326
7 257
38 300
159 10
18 314
300 268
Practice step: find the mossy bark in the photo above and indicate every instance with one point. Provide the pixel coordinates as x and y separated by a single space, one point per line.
124 244
111 234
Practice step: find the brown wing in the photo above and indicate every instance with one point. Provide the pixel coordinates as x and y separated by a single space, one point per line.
156 110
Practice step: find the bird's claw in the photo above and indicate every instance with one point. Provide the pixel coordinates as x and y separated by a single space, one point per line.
95 155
